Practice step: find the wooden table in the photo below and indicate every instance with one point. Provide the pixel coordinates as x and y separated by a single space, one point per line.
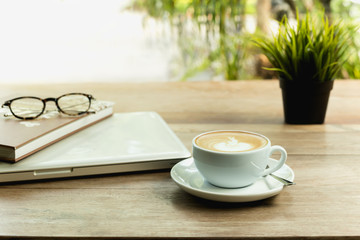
325 203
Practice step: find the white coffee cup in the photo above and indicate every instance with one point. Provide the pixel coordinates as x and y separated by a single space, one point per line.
233 158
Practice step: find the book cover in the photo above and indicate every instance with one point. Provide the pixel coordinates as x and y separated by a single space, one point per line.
20 138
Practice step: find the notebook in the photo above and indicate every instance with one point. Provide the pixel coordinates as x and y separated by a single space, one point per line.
21 138
124 142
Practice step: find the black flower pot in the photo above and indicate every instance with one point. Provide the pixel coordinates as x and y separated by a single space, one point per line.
305 102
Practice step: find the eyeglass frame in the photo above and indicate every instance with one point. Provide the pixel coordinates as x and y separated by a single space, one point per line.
45 100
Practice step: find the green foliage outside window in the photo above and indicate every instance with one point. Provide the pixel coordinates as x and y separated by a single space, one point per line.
212 36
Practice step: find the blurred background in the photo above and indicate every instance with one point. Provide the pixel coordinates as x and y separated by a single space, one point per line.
52 41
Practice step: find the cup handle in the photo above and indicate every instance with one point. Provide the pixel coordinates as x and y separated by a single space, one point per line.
281 162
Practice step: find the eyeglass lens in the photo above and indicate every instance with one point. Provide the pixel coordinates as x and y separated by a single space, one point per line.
27 107
74 104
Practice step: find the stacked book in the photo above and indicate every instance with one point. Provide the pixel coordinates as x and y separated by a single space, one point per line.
20 138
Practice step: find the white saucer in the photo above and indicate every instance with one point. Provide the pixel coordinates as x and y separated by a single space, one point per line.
186 175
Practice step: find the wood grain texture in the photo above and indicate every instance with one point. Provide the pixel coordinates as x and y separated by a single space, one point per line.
324 204
202 102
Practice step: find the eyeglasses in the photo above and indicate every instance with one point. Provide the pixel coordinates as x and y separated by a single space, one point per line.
28 107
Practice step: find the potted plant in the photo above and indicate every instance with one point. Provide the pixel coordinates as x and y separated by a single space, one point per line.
307 58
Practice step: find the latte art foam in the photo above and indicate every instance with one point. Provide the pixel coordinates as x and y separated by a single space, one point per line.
230 141
232 145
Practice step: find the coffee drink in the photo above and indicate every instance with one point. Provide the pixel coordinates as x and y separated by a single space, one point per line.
233 159
230 141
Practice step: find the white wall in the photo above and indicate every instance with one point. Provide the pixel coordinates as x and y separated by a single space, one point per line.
77 40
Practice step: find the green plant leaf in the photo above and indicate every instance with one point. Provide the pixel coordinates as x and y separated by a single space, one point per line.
314 50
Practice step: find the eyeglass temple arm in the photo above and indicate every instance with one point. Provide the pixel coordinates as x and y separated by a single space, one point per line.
6 104
91 98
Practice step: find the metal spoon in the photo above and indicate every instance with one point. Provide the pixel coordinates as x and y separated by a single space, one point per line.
282 180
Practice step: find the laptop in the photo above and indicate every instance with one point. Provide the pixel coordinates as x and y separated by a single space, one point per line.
124 142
